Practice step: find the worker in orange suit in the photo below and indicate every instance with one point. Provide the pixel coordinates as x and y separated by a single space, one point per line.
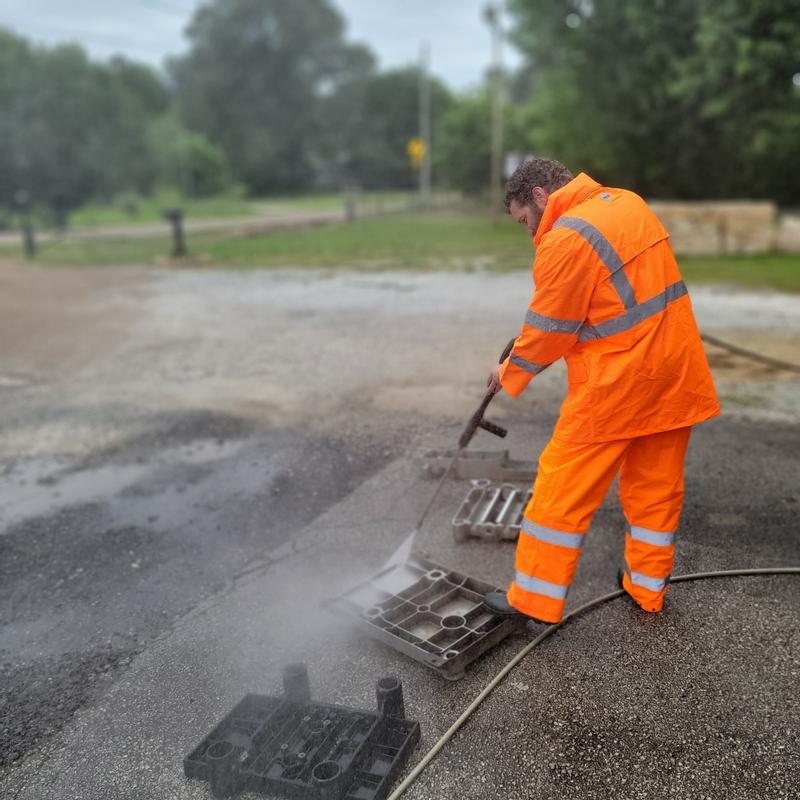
609 299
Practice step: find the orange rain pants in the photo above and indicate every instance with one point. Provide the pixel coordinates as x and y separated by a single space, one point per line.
571 483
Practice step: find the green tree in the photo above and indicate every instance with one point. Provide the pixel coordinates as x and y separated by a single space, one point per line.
463 147
461 155
16 78
690 98
129 96
253 79
370 122
187 160
72 130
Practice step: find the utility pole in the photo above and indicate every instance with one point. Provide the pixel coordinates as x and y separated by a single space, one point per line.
425 124
492 16
23 200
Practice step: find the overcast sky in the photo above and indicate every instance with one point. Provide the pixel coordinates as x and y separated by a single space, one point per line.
148 30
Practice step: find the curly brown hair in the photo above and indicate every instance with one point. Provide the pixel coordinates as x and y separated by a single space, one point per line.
544 172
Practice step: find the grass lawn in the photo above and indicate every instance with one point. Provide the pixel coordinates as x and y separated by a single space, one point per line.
437 241
773 270
135 210
139 210
405 241
399 241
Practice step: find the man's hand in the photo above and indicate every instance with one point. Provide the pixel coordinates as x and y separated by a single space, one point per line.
493 384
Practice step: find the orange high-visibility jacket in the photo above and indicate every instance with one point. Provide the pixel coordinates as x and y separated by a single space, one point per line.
609 298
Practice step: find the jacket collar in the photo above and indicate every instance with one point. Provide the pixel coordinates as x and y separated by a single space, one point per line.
562 200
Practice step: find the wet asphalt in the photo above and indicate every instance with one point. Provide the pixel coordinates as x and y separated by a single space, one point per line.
698 702
87 586
175 512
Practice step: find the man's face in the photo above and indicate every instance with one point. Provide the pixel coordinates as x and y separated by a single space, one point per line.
530 215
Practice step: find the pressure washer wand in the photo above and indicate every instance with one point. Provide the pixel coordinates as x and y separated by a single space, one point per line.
476 421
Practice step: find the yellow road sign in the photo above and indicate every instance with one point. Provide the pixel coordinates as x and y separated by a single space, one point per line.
416 149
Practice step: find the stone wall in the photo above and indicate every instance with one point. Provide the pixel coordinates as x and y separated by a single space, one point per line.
789 233
710 228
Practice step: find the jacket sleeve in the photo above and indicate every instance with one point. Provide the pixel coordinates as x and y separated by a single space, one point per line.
564 279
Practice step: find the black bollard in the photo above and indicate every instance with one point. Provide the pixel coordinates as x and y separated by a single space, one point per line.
28 237
175 218
23 200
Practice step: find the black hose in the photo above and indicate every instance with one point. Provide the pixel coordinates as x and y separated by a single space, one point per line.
490 687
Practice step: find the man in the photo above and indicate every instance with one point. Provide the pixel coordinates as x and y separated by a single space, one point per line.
609 299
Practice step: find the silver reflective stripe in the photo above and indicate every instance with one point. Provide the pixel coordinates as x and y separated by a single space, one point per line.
551 324
539 586
652 537
607 254
630 319
653 584
551 536
528 366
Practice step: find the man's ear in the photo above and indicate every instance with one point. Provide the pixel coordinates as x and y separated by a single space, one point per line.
540 197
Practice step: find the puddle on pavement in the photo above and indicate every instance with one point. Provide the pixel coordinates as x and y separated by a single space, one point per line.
36 486
21 498
169 500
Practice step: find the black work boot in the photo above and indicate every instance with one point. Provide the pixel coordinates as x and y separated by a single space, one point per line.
497 602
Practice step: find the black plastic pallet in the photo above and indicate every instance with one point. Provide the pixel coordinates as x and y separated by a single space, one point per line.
301 749
432 614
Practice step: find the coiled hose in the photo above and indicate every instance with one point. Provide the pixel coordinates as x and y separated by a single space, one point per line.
492 685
